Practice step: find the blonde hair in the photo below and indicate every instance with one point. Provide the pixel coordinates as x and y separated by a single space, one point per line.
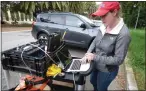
120 14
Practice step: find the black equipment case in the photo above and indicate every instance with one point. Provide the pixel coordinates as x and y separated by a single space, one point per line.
34 59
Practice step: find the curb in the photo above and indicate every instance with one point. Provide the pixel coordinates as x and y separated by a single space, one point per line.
130 78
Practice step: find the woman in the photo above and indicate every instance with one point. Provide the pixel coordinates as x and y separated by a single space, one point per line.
109 48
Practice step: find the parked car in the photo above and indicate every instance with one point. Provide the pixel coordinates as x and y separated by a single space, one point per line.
97 22
80 30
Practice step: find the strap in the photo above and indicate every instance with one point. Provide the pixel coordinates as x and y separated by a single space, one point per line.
41 88
43 85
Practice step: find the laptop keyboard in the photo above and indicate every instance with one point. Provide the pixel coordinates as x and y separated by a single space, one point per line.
76 65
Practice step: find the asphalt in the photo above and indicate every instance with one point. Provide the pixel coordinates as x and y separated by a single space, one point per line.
10 28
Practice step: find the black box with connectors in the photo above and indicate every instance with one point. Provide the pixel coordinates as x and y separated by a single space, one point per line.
26 59
34 57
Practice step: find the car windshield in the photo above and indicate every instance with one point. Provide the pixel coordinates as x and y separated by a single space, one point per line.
88 20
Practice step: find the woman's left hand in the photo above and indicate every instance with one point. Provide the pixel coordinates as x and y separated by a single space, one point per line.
89 56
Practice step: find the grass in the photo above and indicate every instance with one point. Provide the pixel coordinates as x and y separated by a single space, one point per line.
137 56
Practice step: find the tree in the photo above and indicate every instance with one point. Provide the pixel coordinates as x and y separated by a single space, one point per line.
134 12
6 8
35 7
90 7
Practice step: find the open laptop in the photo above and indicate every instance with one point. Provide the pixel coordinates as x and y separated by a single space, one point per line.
77 66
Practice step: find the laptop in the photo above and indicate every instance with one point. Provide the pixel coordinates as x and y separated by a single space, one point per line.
78 66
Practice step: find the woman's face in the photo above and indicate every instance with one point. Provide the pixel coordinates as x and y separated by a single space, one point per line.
109 18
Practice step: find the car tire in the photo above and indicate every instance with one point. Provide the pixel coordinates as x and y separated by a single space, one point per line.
42 36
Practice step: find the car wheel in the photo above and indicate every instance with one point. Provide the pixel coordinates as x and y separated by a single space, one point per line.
43 36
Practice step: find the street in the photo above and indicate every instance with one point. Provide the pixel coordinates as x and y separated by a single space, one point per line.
13 39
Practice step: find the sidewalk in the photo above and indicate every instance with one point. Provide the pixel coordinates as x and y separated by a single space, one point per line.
7 29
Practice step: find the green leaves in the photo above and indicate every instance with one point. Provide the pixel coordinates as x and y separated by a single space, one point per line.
32 7
26 5
29 7
130 13
46 5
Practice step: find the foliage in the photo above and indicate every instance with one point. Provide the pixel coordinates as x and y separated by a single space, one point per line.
43 6
90 7
130 13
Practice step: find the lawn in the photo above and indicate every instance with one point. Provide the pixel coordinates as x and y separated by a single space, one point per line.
136 55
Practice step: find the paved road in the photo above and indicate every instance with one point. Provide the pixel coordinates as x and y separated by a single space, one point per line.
12 39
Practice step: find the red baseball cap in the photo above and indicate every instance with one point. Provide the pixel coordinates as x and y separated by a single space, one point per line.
105 7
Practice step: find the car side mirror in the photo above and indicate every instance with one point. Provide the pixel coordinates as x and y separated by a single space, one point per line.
83 26
44 20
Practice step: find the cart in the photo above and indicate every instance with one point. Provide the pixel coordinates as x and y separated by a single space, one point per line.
15 59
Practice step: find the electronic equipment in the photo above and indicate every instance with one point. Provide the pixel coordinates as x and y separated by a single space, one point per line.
78 66
38 62
31 58
17 58
53 41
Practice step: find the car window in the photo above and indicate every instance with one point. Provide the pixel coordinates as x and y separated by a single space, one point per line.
57 19
43 17
73 21
88 20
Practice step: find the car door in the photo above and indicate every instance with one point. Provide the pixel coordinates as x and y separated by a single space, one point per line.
56 23
49 23
75 34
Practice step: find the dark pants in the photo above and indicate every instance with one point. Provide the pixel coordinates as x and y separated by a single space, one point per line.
101 80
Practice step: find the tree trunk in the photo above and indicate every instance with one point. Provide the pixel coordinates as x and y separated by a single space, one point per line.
24 17
19 14
137 17
31 16
15 18
27 18
3 17
9 16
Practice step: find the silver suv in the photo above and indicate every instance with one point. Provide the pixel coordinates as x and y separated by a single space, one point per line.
80 31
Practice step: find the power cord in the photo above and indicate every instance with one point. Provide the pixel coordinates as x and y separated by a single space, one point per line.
24 61
40 49
74 81
59 48
64 55
61 64
44 52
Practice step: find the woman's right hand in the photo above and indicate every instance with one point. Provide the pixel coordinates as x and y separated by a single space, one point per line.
89 57
84 60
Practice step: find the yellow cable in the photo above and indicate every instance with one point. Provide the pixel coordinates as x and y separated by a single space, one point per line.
63 35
